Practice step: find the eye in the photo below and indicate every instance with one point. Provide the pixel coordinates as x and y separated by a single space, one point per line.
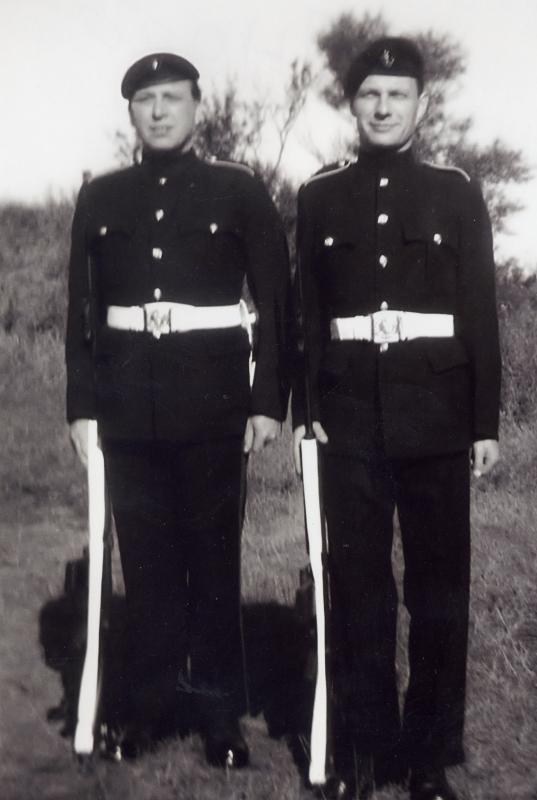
172 97
142 98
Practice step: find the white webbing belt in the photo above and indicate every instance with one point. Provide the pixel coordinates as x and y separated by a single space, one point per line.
386 327
161 318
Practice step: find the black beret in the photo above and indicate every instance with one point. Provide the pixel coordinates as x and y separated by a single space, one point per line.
391 55
156 68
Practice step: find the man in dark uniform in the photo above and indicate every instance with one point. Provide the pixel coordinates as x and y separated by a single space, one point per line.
158 352
401 330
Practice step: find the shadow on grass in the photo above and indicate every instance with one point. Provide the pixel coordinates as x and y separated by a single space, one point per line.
277 644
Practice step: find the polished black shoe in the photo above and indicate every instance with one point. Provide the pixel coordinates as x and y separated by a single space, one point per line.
337 788
430 784
389 770
355 785
134 742
226 747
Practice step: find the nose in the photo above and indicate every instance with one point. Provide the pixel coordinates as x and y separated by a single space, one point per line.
383 109
158 108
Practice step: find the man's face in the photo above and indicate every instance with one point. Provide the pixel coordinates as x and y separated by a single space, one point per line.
388 109
164 115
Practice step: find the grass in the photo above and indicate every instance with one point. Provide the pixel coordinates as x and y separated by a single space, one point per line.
43 526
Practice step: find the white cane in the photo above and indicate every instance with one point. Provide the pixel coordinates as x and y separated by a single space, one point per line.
89 685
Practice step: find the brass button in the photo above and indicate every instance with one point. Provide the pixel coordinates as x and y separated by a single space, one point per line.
157 294
159 213
329 241
383 261
163 181
382 219
213 227
437 238
103 230
383 182
156 252
384 306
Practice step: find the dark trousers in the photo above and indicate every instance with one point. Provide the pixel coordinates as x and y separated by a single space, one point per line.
177 510
432 499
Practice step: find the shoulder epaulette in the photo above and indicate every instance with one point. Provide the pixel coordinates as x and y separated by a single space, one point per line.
215 162
89 178
331 169
448 168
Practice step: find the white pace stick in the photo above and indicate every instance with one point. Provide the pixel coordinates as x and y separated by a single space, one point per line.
315 533
89 685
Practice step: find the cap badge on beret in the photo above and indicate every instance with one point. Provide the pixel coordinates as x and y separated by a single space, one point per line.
389 55
387 59
157 68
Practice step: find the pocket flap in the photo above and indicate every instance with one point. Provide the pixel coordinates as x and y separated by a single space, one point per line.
430 231
337 235
103 227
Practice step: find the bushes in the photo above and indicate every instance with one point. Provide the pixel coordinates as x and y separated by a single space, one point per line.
34 246
38 466
517 312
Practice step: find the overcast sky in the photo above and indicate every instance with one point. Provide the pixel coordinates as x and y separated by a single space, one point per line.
61 63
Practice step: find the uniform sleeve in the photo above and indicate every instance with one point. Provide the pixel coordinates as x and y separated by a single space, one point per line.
307 311
479 319
78 341
268 276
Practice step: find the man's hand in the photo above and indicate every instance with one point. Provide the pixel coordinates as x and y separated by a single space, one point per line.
299 434
485 454
260 431
78 432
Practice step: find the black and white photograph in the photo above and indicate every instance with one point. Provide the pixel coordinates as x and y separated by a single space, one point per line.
268 289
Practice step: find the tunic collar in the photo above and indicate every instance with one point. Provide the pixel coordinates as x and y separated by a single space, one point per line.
168 159
386 159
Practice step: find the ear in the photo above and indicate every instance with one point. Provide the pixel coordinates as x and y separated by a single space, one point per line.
423 103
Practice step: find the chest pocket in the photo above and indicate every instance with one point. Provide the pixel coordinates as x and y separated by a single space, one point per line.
211 238
431 248
113 248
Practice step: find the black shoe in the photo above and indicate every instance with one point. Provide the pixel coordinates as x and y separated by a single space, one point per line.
430 784
390 770
226 747
355 784
337 788
136 741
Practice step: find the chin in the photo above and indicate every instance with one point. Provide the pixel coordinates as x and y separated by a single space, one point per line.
386 142
161 144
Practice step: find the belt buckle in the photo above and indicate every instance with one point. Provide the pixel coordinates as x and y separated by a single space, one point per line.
158 319
386 327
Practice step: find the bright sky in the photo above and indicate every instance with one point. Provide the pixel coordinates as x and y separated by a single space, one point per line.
61 63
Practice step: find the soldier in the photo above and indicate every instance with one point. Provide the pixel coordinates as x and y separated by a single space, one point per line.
158 352
402 335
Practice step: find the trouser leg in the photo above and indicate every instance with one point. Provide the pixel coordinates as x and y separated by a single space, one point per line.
359 505
211 512
153 552
433 504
